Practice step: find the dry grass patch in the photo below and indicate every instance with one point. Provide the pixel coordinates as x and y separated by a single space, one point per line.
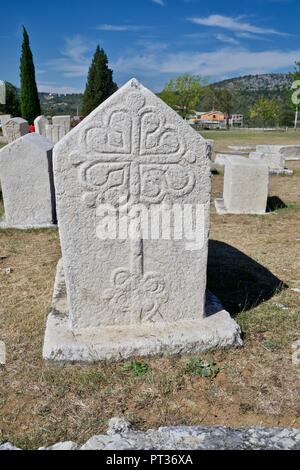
256 385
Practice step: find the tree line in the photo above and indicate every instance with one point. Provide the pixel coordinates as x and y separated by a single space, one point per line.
26 102
185 94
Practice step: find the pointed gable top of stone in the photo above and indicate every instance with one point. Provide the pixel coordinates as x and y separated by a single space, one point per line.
136 99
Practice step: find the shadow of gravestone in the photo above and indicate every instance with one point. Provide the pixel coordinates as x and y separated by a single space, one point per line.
237 280
274 203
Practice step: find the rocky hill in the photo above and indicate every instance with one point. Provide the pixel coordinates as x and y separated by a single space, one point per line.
247 90
257 83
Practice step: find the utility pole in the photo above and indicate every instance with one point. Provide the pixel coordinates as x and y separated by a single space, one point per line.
296 118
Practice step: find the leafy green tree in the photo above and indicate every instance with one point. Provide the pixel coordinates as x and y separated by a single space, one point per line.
225 102
29 98
183 93
12 102
100 84
265 111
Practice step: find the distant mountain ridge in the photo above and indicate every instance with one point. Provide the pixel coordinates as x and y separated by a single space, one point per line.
246 89
254 83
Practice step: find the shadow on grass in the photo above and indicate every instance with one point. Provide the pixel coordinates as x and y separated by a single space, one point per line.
274 203
237 280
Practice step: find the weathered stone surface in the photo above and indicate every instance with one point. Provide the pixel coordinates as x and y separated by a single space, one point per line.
4 118
200 438
275 157
15 128
40 124
55 132
186 438
275 161
68 445
131 296
8 446
287 151
61 344
27 183
118 426
64 121
221 158
133 146
237 148
245 187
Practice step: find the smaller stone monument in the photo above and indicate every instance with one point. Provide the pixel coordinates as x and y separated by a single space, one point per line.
62 121
245 187
55 132
27 183
15 128
40 124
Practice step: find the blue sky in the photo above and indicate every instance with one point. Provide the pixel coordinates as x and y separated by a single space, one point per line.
152 40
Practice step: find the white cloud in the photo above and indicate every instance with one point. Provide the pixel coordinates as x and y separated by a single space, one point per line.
159 2
53 87
119 27
76 48
233 24
224 62
75 57
226 39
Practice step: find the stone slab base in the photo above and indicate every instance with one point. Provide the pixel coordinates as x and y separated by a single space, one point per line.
222 210
4 225
217 330
281 172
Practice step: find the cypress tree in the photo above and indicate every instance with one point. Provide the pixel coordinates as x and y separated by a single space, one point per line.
100 84
29 98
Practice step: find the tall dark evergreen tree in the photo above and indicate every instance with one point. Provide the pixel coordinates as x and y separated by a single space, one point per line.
100 84
29 98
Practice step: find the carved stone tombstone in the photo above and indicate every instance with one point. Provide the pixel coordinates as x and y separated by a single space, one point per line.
55 132
27 183
40 124
15 128
115 297
246 184
62 121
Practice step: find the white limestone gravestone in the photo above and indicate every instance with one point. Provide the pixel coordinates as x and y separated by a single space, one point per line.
245 187
4 118
55 132
27 183
274 156
117 297
40 124
15 128
62 121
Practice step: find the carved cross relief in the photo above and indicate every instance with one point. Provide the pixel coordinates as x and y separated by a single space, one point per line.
135 155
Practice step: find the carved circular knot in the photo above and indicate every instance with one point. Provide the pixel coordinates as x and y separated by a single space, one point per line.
154 283
135 101
148 306
121 278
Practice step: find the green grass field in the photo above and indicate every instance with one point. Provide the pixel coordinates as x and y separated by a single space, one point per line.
243 137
